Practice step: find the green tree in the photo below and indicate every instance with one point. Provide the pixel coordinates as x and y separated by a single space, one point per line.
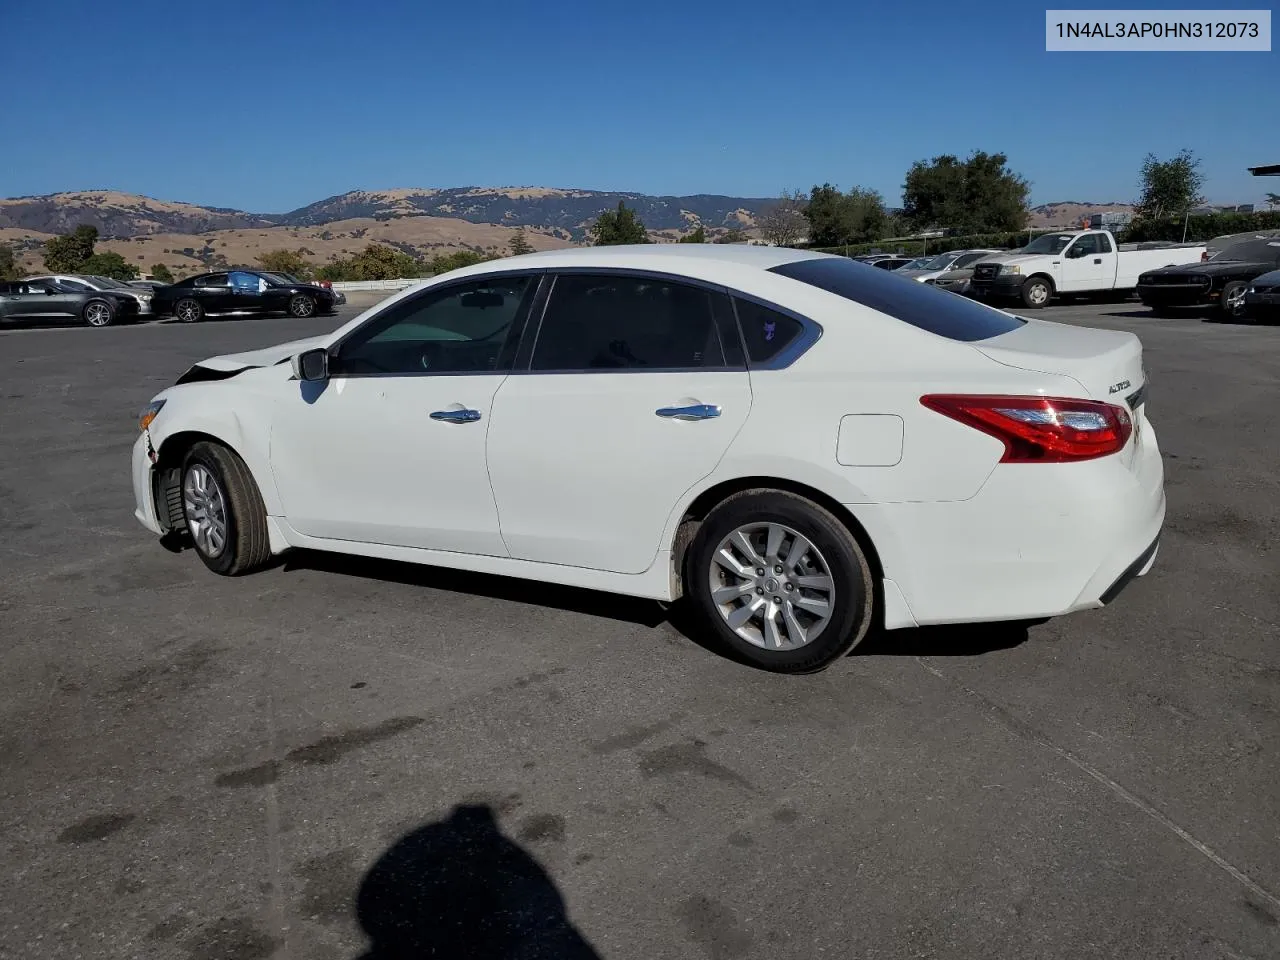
378 261
291 262
443 263
619 226
697 236
67 253
1170 188
108 265
1273 199
732 235
9 267
784 224
162 273
977 195
520 244
337 270
837 218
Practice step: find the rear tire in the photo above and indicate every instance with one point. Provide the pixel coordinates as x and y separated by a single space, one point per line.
830 574
223 510
98 313
1037 292
188 310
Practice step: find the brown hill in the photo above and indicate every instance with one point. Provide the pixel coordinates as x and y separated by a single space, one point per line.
117 214
1069 213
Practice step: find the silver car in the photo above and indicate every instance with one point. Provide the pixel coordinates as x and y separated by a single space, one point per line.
85 283
951 260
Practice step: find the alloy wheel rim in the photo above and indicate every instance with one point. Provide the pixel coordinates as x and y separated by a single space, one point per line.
187 311
302 306
205 510
98 315
1235 302
772 586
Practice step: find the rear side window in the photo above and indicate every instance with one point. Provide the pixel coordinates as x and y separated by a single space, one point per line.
918 304
619 322
766 332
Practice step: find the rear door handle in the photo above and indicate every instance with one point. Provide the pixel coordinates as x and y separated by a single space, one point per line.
456 416
695 411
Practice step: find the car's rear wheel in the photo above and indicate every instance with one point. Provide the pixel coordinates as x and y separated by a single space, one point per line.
1037 292
780 581
300 305
223 511
98 313
188 310
1232 302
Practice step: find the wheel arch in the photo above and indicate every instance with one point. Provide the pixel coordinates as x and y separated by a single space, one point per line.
249 446
691 517
1047 277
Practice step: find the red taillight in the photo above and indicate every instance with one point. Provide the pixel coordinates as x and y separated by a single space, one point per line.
1040 429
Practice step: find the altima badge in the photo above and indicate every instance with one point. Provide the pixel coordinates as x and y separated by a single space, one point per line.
1117 387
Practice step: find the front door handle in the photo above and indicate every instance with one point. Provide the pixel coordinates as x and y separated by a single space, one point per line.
456 416
695 411
1098 260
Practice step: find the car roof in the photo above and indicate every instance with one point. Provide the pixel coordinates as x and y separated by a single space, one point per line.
637 256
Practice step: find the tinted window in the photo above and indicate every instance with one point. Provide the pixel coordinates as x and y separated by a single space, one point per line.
766 332
918 304
459 329
1259 250
618 322
967 258
212 280
244 281
79 286
1104 243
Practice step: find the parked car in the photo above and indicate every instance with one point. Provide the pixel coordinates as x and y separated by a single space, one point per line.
1077 262
240 291
151 286
936 266
1262 298
624 419
954 281
891 263
42 298
84 283
1218 283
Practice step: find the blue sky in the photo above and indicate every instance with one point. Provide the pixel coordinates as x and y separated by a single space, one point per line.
268 106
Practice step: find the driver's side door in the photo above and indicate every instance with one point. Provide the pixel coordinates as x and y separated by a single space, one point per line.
390 449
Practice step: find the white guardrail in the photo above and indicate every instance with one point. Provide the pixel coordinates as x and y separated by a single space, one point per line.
352 286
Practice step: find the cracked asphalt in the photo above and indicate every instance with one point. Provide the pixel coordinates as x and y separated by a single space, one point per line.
341 759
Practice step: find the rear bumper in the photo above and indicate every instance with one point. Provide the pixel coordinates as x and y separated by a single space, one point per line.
1039 540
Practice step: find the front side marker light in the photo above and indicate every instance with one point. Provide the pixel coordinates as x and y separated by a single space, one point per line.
149 413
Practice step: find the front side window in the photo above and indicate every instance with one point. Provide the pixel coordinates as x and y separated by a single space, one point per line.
1104 243
1086 246
458 329
618 322
245 281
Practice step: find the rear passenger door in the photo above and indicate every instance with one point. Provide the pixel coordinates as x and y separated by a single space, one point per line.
626 394
213 292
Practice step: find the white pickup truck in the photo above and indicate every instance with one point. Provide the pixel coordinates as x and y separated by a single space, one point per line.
1079 262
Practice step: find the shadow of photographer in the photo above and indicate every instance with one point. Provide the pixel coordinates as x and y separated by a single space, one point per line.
458 888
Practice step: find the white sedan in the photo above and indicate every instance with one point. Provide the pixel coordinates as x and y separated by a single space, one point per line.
801 445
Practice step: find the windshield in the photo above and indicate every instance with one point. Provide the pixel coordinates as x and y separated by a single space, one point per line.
280 279
1261 250
940 262
109 283
918 304
1049 243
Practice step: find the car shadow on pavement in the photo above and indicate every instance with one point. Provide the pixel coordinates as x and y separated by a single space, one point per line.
952 640
648 613
458 889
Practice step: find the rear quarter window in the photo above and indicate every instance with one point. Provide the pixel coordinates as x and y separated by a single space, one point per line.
919 304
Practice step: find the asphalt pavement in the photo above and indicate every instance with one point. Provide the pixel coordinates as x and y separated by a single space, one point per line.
338 758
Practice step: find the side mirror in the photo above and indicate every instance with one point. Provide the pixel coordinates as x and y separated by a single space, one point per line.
1075 253
48 292
311 365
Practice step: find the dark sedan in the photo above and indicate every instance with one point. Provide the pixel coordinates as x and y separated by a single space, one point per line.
1219 283
1262 298
240 291
47 299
